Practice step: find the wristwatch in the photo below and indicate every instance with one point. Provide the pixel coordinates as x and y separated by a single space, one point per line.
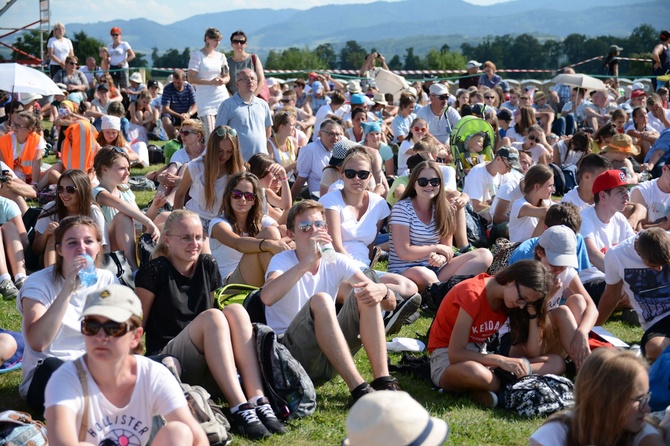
388 293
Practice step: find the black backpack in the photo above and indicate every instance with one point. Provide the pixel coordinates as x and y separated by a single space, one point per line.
538 395
476 228
285 382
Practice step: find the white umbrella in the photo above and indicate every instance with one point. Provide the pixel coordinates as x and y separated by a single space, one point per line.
15 78
388 82
580 80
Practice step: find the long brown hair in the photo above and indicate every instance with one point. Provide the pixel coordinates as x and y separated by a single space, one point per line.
445 222
255 216
211 160
83 192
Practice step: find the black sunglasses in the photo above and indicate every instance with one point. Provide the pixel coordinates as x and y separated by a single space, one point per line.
362 174
69 189
241 42
91 327
423 182
238 194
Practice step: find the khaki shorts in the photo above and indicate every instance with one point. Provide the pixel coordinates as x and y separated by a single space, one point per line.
235 277
439 360
194 369
300 339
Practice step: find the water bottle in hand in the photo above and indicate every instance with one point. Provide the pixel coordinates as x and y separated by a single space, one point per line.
327 253
88 275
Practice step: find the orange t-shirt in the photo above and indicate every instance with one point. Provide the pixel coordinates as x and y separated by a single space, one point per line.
470 295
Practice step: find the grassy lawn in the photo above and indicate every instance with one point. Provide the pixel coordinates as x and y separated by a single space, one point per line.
469 424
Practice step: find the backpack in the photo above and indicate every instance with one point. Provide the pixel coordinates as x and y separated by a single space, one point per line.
285 382
659 381
475 228
204 410
538 395
19 428
156 155
559 180
502 251
140 183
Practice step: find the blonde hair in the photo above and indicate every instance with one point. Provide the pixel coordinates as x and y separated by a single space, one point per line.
161 248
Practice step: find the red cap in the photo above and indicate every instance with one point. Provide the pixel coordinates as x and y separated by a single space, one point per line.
609 180
637 93
115 30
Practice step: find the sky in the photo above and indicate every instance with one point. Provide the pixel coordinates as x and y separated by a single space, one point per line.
164 12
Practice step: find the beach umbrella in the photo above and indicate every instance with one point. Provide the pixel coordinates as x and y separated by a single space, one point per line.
15 78
580 80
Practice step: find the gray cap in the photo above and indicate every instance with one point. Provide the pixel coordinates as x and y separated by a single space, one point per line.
560 246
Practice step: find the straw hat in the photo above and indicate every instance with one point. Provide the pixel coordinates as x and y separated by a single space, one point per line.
621 143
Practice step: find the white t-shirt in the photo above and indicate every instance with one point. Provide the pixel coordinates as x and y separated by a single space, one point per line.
69 342
228 258
656 201
566 277
567 157
521 228
535 152
604 235
313 158
573 197
555 434
118 53
326 110
403 154
648 289
509 190
59 48
156 392
326 280
197 203
480 184
357 235
96 215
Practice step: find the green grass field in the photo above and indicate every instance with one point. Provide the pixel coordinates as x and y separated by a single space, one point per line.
469 424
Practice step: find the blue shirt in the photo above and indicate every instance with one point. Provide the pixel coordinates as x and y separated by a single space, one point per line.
178 101
662 143
526 251
250 120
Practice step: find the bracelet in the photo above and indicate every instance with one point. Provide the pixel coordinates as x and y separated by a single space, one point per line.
388 293
533 316
260 245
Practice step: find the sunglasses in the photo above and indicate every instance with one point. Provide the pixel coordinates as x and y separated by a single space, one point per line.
285 101
69 189
420 129
489 97
423 182
533 138
91 327
239 42
362 174
222 131
306 226
188 238
238 194
114 35
72 63
442 97
118 149
187 132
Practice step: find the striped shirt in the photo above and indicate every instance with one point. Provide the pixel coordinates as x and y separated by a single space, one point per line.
420 234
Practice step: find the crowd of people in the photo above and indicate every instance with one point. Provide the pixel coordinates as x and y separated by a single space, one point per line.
300 188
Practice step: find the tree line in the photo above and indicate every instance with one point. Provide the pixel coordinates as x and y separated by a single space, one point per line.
522 51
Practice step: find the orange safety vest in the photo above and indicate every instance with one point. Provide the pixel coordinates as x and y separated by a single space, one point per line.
78 149
24 162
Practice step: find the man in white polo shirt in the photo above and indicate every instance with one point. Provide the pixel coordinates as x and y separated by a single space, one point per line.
440 116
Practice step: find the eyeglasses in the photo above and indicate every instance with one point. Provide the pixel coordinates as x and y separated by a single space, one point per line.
507 165
423 182
222 131
239 42
91 327
18 126
69 189
362 174
247 79
533 138
187 238
306 226
643 400
238 194
442 97
420 129
523 302
332 134
187 132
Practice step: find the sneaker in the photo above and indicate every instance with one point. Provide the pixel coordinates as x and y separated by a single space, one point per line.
8 290
358 392
19 282
485 398
385 383
403 310
267 416
247 424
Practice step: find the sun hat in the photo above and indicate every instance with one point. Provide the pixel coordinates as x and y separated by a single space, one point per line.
110 123
354 87
621 143
379 99
115 302
560 246
438 89
609 180
393 419
26 98
539 95
340 150
136 77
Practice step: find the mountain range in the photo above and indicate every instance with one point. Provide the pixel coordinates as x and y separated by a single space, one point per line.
426 23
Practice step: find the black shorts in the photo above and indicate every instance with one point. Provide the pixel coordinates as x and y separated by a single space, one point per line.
659 329
595 288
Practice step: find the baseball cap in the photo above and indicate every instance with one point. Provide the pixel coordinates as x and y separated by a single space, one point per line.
637 94
317 86
637 86
609 180
104 86
115 302
393 418
615 48
560 246
152 83
505 115
358 99
473 63
340 150
511 155
438 89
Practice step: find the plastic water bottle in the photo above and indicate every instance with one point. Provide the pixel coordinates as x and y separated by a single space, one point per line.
327 253
88 276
